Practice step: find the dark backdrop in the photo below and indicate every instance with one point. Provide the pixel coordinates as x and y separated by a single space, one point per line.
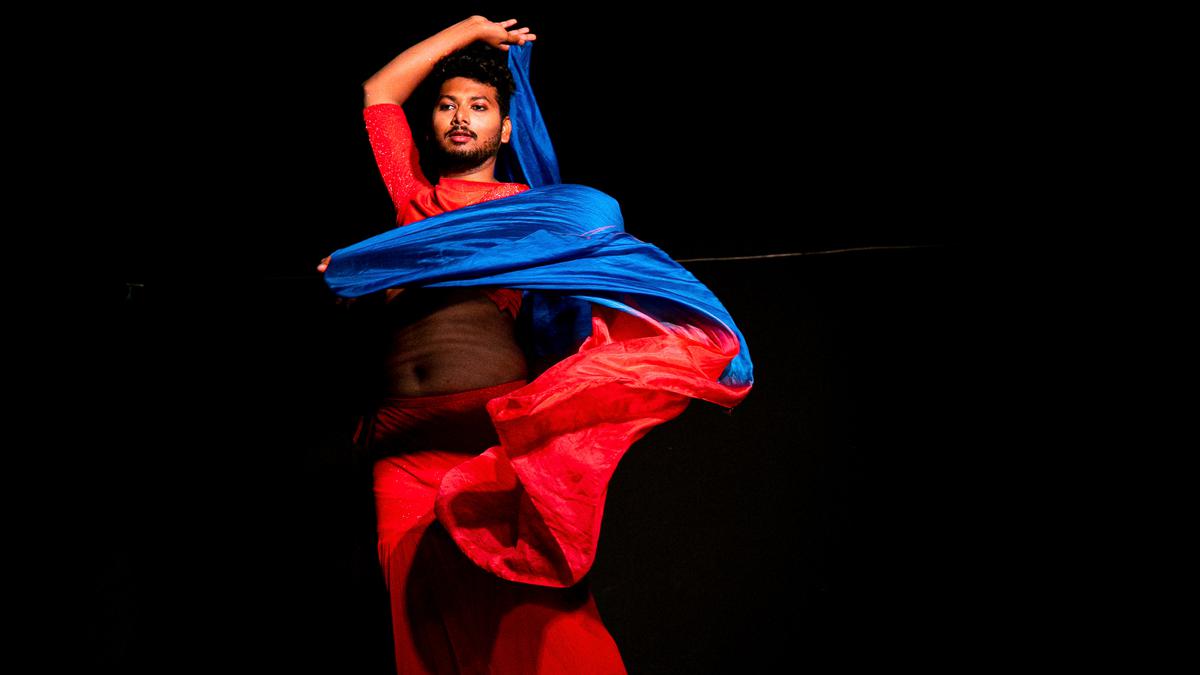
834 517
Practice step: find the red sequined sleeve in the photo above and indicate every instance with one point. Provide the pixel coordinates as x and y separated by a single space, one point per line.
395 153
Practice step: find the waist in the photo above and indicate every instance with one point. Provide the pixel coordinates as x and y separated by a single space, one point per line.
465 344
421 376
455 421
467 398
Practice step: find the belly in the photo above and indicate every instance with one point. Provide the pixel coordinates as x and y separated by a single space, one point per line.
443 341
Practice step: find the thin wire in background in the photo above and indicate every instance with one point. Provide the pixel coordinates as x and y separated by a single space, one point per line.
763 256
741 257
789 255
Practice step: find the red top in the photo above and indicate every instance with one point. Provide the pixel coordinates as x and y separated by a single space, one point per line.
414 196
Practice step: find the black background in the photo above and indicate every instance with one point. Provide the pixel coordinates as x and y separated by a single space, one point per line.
837 516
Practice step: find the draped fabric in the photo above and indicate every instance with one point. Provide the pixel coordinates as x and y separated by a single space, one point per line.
621 339
529 155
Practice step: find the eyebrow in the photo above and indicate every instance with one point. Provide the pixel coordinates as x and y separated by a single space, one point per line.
454 98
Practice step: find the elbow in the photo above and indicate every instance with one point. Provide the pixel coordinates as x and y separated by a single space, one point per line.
373 94
370 94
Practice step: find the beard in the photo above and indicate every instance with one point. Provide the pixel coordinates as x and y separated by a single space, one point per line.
458 160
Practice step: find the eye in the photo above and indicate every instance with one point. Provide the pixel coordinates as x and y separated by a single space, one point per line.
481 106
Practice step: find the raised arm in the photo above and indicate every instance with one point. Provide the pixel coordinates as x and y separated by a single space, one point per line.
396 81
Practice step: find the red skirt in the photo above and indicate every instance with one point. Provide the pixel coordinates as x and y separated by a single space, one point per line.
448 614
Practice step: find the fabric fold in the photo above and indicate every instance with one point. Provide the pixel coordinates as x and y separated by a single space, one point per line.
530 509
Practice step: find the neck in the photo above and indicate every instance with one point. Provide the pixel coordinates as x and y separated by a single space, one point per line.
484 173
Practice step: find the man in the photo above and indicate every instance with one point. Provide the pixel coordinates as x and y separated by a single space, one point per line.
619 339
450 351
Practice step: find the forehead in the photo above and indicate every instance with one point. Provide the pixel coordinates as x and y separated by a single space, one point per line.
464 89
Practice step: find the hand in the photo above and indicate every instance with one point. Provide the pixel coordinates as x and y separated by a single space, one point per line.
496 34
389 293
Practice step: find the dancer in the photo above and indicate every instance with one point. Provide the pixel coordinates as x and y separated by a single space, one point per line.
495 452
452 350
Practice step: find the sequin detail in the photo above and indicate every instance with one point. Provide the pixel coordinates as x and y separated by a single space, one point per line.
395 153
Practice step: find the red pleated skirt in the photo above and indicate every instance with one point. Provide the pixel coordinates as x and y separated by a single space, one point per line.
448 614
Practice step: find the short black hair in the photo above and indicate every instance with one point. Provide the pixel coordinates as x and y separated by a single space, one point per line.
480 62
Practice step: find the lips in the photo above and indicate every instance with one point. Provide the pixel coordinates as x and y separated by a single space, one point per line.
460 136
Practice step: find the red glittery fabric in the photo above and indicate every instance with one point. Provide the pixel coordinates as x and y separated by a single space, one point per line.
412 193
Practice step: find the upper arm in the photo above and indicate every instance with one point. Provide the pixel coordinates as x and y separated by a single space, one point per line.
395 152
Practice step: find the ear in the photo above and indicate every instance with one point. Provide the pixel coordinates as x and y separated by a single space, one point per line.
506 130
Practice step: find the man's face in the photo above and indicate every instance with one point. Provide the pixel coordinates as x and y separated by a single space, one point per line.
467 126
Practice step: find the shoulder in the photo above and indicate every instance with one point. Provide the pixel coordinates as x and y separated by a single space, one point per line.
502 190
390 113
510 189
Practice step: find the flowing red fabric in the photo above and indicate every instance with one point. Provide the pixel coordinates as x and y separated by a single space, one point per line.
448 614
530 508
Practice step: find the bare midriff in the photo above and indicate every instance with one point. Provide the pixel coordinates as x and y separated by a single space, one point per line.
448 340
